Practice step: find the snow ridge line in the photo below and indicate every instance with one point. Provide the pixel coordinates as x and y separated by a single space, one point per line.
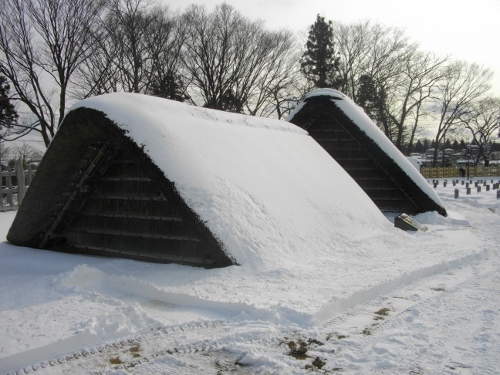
366 295
118 344
379 324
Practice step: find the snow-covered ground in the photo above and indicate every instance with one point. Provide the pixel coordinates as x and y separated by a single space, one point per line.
393 302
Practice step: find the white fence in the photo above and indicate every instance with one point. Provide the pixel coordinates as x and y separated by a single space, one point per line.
14 185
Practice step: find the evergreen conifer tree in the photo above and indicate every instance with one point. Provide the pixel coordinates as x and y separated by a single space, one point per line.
419 147
170 87
8 114
319 62
427 144
373 100
367 96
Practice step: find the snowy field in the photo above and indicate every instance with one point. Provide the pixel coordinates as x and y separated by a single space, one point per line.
404 303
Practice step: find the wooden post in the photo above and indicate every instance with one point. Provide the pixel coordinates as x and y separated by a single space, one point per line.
1 194
478 188
456 193
8 180
21 182
28 175
468 191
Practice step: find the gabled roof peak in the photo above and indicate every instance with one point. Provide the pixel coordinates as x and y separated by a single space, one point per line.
335 94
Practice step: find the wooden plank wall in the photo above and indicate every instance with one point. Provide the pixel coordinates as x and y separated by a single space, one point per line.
126 214
359 164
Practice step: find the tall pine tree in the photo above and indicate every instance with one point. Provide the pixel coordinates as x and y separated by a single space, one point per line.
367 96
8 114
319 62
372 98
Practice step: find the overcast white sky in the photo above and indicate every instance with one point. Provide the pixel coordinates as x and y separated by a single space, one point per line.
469 30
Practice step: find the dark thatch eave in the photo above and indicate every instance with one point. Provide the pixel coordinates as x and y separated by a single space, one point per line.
81 128
324 108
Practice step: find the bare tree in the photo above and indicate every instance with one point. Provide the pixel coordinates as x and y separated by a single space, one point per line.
411 88
282 91
42 43
165 43
233 63
461 85
369 49
277 76
481 121
24 152
386 74
139 50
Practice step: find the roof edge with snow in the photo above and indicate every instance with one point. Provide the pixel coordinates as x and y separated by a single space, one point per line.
334 108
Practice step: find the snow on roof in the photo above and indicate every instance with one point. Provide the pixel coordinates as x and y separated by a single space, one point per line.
265 188
361 119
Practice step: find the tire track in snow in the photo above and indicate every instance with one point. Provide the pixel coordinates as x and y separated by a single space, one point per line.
164 341
108 347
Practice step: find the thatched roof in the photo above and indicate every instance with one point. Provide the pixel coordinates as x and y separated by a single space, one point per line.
147 178
55 198
359 146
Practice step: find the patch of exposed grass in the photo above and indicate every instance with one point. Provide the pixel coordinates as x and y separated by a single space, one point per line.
297 350
368 331
134 350
318 363
438 289
115 361
384 311
335 335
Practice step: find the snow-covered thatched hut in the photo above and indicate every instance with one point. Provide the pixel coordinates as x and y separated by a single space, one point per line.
344 130
151 179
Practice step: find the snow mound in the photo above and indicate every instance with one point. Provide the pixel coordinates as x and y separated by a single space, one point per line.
263 187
